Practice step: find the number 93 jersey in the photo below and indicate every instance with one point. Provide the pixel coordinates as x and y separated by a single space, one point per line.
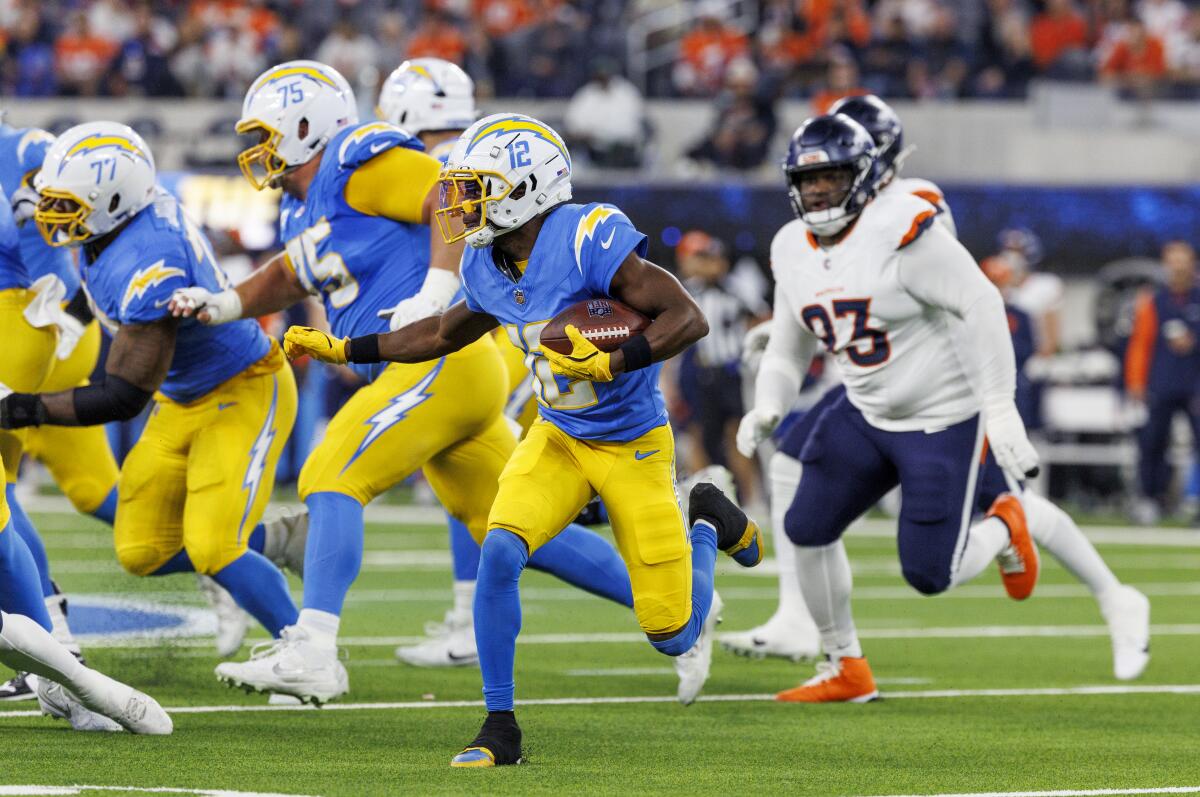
886 302
578 250
357 263
131 282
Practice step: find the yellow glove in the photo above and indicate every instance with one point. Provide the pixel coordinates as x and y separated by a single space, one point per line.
584 362
299 341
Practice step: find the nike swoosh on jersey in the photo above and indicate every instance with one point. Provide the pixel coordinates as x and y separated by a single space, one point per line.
225 405
639 455
378 146
607 243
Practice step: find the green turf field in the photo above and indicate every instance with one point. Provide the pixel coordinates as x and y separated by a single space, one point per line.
981 694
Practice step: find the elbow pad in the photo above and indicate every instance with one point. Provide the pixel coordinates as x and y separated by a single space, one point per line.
114 399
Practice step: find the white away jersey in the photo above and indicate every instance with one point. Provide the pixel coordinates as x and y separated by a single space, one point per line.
885 301
928 191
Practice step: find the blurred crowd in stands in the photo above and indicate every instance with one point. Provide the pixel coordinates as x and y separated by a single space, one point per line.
819 49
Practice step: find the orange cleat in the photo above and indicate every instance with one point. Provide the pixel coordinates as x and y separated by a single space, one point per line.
1019 561
849 680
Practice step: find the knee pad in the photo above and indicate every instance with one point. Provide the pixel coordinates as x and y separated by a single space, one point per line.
142 560
502 557
926 583
804 532
655 615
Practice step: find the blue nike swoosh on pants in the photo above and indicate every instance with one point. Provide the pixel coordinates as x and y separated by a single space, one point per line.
638 455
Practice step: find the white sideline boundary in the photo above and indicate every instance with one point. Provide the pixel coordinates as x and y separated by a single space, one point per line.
1069 792
929 694
947 632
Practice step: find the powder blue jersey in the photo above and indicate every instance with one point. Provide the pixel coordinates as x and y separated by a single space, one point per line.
12 269
578 250
22 151
132 280
357 263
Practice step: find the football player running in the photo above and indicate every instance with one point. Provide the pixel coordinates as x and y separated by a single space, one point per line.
192 491
1124 608
603 427
356 217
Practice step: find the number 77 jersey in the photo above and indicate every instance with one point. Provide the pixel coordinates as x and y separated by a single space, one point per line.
867 299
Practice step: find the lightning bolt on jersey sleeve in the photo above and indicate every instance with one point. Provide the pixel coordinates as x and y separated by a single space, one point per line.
938 271
603 239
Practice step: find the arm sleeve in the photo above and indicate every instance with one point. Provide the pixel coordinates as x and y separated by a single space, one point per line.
789 351
1141 343
938 271
393 184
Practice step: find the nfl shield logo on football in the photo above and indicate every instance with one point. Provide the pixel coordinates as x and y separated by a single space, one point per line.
599 307
518 296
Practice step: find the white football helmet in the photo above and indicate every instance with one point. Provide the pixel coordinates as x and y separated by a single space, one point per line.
293 109
95 177
503 171
428 94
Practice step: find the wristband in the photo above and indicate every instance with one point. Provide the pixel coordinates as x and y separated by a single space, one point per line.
637 353
364 349
19 410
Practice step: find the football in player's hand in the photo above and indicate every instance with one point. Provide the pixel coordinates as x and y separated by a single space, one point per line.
605 322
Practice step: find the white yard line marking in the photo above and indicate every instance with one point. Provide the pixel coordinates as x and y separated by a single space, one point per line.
947 632
80 789
1072 792
937 694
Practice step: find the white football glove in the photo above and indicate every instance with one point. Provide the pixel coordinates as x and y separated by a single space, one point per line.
433 299
46 310
756 426
754 344
208 307
24 202
1009 444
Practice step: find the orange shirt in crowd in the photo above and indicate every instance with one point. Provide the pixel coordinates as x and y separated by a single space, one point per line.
703 47
1149 60
1050 36
502 17
819 13
435 40
82 57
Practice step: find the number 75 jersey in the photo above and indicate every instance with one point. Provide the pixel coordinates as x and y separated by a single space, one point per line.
883 301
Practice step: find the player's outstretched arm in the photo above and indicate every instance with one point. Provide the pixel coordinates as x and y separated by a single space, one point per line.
677 321
427 339
272 288
137 365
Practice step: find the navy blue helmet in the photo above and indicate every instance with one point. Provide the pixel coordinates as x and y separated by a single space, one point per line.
839 147
884 126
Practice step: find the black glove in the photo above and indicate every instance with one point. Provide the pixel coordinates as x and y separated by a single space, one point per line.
20 410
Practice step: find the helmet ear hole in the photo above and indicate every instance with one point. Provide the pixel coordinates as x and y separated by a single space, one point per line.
114 203
302 129
520 191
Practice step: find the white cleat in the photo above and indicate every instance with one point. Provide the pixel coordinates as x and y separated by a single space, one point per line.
55 701
780 637
292 665
693 667
287 536
713 474
1127 613
232 622
451 644
132 710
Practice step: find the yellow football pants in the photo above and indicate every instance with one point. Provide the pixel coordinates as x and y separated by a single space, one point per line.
24 365
202 473
443 417
552 475
522 405
78 457
5 514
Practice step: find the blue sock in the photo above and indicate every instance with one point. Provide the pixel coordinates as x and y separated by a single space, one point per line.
464 551
179 563
107 511
498 615
261 589
333 554
583 558
258 538
33 541
20 592
704 561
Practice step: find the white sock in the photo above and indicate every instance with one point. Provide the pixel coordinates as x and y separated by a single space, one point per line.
58 623
464 598
321 626
784 473
1054 530
826 582
986 539
27 647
